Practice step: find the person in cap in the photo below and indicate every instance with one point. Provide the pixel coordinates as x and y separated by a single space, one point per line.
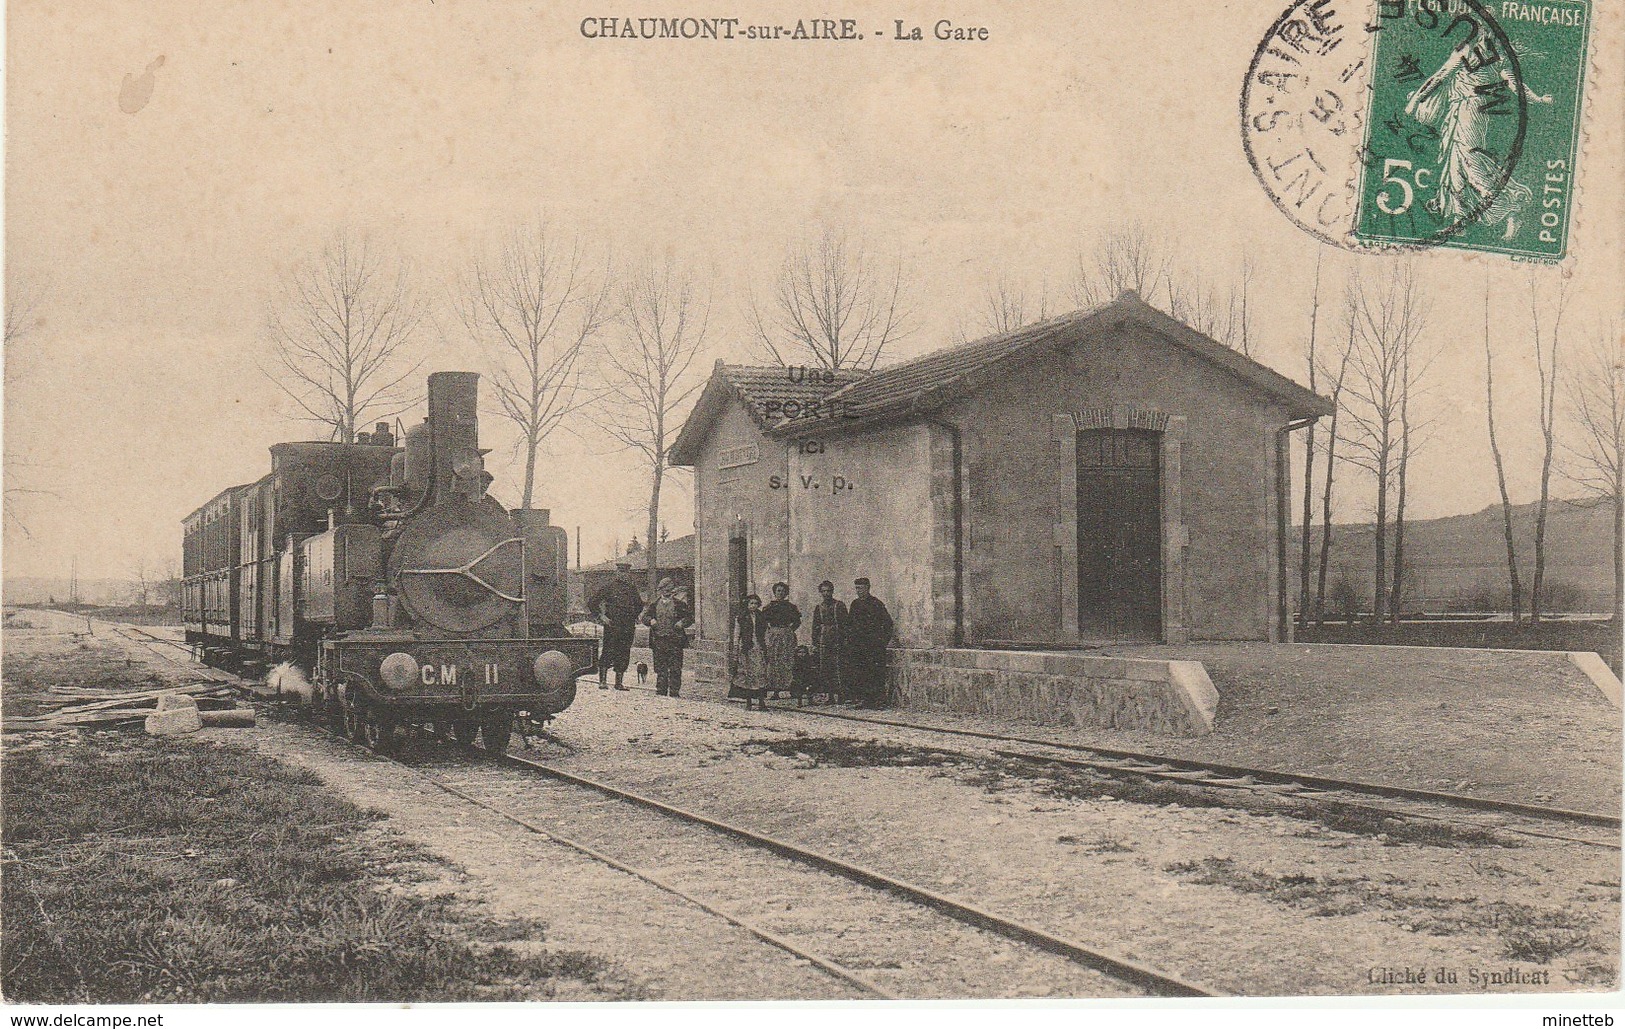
616 607
828 637
668 619
869 629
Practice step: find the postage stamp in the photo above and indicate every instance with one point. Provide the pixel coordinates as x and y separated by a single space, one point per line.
1472 129
1417 123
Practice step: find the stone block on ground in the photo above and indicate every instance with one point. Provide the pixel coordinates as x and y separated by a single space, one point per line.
175 701
174 721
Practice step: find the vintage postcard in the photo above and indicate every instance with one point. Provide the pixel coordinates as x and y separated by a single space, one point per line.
517 501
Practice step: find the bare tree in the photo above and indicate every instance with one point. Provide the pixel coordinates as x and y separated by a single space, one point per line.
22 301
1129 258
1008 305
1500 468
649 372
1124 259
533 308
1387 322
834 305
22 304
1595 395
1242 331
1413 365
1308 459
340 333
1546 364
1005 304
1347 350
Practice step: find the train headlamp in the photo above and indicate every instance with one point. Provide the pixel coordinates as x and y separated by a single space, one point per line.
552 669
399 671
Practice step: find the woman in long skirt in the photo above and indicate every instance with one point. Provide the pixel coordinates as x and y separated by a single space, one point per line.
782 619
750 642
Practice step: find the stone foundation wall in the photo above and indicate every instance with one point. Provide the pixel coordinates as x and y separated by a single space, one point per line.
1174 698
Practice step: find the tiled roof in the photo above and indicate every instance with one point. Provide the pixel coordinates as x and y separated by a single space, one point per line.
764 391
856 400
928 382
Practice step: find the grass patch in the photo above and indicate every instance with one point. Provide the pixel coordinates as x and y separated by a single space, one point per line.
149 870
32 670
1526 933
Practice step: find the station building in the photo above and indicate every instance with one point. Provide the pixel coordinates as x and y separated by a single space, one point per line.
1110 475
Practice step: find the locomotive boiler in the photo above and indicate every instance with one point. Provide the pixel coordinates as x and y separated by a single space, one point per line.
384 587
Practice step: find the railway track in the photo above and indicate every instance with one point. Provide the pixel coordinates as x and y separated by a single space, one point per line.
857 947
1279 784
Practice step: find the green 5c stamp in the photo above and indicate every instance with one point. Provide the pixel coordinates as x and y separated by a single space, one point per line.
1376 124
1472 126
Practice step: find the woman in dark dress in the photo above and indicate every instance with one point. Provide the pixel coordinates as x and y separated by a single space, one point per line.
781 619
828 634
750 643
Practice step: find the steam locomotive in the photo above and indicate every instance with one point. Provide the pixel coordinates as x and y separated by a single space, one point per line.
384 588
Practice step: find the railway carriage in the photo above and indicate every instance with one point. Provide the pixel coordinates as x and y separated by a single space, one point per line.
384 587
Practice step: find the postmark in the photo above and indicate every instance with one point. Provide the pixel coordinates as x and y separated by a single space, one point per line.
1473 125
1407 123
1302 115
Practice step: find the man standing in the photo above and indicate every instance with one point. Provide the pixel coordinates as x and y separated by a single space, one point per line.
868 629
616 607
668 619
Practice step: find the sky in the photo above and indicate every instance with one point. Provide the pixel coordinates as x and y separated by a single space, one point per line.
151 240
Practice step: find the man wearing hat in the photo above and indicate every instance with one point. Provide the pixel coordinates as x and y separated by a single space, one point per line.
668 619
616 607
868 630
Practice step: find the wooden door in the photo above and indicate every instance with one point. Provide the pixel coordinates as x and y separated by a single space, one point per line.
1119 534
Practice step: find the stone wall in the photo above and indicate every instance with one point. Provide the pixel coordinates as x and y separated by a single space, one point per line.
1174 698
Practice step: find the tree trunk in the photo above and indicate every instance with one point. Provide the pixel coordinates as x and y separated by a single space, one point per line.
1500 469
1619 554
1304 555
1397 582
1308 464
1396 585
531 443
1380 594
652 548
1326 520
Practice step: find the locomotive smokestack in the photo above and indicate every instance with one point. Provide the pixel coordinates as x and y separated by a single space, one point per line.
454 429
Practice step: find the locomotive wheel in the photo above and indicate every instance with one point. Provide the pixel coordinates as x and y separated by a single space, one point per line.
495 732
355 723
464 732
380 732
333 714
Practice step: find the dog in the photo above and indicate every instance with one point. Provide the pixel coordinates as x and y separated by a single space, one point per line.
643 672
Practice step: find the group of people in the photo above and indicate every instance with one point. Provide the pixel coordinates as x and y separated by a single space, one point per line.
620 609
848 655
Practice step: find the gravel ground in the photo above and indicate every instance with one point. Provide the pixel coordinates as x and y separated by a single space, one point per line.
1528 726
1249 903
907 950
1244 901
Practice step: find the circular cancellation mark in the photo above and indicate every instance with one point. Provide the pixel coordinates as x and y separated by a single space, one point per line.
1396 123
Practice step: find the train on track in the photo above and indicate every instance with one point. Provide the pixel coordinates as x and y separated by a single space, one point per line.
384 587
